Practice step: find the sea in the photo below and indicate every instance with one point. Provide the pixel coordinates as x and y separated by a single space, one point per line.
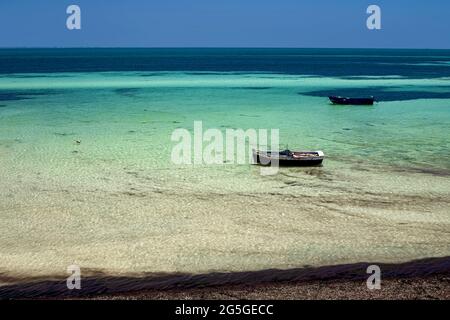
87 178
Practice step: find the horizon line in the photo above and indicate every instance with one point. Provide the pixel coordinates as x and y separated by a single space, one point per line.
215 47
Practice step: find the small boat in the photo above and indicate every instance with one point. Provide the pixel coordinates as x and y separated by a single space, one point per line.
351 101
289 158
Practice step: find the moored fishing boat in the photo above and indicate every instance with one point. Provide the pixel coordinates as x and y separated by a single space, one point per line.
351 101
288 157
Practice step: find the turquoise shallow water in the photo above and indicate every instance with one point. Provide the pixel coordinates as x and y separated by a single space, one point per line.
116 203
141 112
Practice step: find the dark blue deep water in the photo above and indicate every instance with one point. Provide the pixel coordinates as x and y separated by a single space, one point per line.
321 62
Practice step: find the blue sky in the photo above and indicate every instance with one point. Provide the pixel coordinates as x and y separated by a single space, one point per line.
225 23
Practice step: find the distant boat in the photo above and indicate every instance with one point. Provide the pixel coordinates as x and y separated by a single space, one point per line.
352 101
289 158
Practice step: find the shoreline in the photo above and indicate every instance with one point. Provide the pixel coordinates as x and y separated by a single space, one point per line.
418 279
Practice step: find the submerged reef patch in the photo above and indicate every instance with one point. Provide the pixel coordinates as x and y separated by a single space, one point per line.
381 93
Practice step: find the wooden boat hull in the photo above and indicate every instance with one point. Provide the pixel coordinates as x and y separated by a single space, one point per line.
307 158
351 101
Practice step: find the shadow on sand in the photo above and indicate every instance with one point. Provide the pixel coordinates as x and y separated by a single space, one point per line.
97 282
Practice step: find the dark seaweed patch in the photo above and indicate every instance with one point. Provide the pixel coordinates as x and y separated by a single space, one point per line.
381 93
13 96
247 115
371 78
127 92
29 76
152 75
252 88
24 94
430 171
207 73
63 134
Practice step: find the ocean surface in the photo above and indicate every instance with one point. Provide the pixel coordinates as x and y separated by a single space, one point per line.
113 202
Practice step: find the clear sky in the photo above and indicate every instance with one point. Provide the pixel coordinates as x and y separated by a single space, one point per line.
225 23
